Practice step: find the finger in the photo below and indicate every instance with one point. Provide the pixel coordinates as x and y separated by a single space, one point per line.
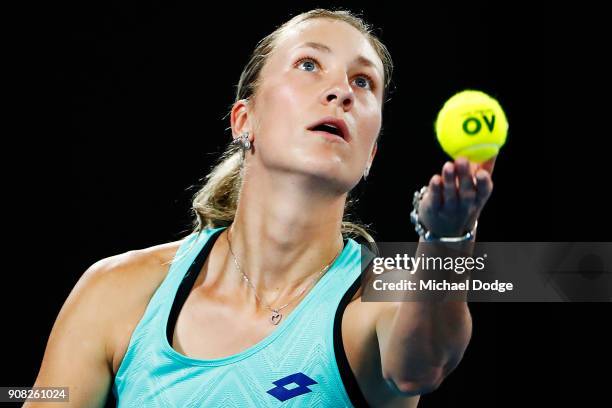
450 187
467 189
484 187
435 189
489 165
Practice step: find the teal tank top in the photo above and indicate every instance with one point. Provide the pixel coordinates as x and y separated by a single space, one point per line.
300 364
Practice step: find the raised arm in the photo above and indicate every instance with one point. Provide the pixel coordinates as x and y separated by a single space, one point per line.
422 342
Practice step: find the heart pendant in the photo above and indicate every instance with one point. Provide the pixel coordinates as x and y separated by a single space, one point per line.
275 318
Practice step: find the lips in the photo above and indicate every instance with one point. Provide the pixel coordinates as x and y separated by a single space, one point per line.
332 125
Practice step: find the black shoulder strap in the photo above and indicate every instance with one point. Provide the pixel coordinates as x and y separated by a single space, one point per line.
347 375
187 284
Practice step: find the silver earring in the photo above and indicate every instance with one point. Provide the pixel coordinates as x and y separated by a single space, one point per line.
366 172
243 141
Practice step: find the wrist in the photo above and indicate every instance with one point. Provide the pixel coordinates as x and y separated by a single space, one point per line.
429 236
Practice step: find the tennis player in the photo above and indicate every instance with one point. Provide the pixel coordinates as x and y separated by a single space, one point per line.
260 305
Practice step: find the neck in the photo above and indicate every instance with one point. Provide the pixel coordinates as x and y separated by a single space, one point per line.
283 235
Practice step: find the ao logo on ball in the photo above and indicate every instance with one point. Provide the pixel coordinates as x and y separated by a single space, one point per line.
472 125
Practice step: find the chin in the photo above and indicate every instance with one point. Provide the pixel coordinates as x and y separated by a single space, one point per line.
336 175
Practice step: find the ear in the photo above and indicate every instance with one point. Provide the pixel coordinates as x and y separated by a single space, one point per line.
239 118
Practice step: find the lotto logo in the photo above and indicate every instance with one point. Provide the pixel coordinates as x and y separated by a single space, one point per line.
282 393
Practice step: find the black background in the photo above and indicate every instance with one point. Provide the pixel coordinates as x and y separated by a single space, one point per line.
119 113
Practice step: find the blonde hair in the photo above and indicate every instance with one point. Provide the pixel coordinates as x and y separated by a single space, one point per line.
214 205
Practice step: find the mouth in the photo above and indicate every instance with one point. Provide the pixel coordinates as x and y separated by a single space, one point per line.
331 127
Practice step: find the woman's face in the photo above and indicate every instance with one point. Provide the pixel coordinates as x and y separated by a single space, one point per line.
319 69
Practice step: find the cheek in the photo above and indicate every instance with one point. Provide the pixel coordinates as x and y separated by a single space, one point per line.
286 92
371 122
292 103
282 105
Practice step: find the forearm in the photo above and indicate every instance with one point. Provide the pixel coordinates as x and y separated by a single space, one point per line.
426 339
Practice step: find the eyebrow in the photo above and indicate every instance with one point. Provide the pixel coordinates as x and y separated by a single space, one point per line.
324 48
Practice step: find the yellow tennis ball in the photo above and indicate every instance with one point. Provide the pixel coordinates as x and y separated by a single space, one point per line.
471 124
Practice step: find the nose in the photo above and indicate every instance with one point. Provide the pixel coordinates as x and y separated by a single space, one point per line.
341 94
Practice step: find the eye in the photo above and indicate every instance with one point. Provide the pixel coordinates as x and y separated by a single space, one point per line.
309 63
365 81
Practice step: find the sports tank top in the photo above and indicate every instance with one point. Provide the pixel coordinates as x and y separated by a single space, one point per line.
302 363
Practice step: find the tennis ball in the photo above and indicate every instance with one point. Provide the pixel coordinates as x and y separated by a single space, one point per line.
471 124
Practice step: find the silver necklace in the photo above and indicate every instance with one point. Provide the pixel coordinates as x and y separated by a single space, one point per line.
276 316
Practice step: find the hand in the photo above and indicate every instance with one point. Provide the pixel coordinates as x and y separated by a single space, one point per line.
454 200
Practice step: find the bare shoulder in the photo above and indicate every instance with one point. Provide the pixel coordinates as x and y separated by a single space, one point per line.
130 275
125 284
147 266
96 321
